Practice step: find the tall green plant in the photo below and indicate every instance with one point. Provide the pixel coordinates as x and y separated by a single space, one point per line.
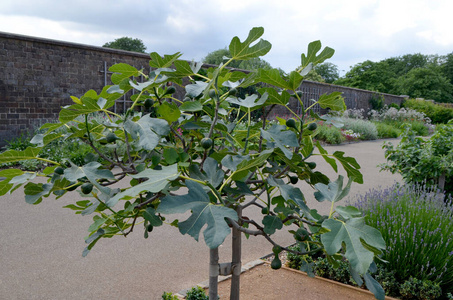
194 145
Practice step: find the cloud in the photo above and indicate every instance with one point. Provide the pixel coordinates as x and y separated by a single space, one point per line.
356 29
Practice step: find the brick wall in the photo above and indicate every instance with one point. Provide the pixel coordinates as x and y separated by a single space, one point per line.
38 76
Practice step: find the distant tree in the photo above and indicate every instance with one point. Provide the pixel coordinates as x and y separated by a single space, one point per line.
127 43
428 83
369 75
313 75
218 56
328 71
447 67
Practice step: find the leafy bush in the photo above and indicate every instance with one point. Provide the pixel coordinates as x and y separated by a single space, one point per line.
366 129
19 143
329 134
437 113
377 102
420 289
196 293
169 296
386 130
419 160
417 226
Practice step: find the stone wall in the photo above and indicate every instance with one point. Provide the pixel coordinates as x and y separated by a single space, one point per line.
38 76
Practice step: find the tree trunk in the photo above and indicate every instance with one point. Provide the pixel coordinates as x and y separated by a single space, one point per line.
213 273
236 261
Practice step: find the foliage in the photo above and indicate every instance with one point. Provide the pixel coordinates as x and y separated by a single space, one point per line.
193 146
220 56
386 130
328 71
417 226
420 289
20 143
329 134
196 293
377 102
419 160
415 75
437 113
426 83
367 130
127 43
340 272
169 296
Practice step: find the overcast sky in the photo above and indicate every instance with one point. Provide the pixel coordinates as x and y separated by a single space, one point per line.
357 29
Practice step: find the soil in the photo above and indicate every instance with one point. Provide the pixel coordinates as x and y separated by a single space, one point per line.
264 283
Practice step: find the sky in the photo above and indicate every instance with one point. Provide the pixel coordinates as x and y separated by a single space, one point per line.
358 30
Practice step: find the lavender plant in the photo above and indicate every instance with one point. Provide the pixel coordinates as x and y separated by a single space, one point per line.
417 226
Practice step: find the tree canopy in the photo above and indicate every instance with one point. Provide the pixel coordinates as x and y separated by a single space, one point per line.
127 43
221 56
416 75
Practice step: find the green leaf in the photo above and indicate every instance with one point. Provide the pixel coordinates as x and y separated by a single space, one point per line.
353 233
6 176
169 111
92 172
271 224
157 181
249 165
149 130
274 97
35 191
122 71
374 287
158 61
150 215
273 77
311 57
14 155
184 69
350 165
203 212
295 79
332 192
170 155
249 101
291 193
194 90
191 106
243 51
325 154
281 138
348 212
68 114
334 101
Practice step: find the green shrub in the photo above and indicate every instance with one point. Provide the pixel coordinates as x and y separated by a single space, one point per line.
394 105
437 113
386 130
19 143
169 296
377 102
419 160
329 134
197 293
366 129
420 289
417 226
